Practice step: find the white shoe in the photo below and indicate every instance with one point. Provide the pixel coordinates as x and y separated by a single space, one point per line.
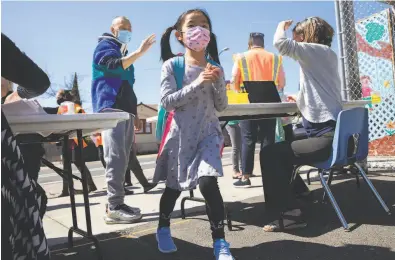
122 214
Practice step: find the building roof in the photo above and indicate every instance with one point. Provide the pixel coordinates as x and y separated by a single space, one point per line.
153 107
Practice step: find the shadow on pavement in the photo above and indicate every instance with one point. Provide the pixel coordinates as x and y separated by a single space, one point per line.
192 236
359 206
67 205
145 248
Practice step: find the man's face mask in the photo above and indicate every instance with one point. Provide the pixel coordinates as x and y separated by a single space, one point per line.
124 36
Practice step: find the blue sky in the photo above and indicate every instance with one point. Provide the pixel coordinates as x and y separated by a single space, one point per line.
61 36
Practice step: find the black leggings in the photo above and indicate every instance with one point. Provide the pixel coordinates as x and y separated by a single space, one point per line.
214 205
277 168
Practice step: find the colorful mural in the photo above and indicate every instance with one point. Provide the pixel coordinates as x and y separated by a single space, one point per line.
375 42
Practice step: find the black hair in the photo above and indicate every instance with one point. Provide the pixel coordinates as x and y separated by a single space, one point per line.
256 39
211 50
66 95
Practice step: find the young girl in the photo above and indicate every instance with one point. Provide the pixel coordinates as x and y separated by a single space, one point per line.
191 149
318 100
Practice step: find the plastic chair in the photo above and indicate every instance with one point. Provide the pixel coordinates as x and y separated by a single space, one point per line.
351 124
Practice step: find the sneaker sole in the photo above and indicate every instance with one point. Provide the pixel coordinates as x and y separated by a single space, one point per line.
163 251
242 187
110 221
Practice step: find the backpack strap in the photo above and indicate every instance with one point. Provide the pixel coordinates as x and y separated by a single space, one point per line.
179 70
178 64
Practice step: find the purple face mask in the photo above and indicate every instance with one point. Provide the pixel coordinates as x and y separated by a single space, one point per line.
197 38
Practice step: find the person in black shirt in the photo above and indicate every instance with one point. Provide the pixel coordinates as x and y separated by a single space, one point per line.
22 236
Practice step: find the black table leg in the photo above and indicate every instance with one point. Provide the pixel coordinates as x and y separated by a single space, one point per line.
191 197
68 172
224 125
75 229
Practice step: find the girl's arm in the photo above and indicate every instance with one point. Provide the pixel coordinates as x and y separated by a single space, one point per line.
220 97
171 98
291 48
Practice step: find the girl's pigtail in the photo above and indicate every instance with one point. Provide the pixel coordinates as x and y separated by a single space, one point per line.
212 49
165 48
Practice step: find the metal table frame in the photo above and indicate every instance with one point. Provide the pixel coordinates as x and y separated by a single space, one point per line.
66 173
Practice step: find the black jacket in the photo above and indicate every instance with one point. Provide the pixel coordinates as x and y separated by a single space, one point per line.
20 69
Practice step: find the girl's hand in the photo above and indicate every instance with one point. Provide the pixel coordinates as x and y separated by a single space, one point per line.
206 76
286 24
216 71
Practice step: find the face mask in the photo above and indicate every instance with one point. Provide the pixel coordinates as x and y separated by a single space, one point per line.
124 36
197 38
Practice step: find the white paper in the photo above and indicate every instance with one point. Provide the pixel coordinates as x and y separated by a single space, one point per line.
23 107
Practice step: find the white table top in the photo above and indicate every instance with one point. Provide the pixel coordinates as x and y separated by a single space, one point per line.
268 108
51 124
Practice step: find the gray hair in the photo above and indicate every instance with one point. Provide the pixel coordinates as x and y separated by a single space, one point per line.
122 18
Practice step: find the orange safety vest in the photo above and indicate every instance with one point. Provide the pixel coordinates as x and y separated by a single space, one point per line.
78 109
259 65
97 139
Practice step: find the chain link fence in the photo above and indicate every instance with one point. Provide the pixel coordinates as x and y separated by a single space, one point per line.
366 49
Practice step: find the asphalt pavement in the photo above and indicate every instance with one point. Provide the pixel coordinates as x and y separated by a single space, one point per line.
372 236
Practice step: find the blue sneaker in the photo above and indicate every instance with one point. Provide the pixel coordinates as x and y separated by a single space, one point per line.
165 241
221 250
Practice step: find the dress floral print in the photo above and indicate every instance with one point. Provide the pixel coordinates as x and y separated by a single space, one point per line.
192 146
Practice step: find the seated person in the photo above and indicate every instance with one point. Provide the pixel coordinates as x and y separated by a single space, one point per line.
319 102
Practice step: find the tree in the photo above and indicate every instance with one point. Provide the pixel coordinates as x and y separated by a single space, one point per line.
75 89
71 84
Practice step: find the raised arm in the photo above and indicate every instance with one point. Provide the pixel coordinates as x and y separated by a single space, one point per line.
17 67
288 47
171 98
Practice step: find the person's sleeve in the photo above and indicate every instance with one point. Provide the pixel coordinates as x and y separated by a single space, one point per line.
112 62
17 67
171 98
291 48
107 56
235 81
220 97
281 78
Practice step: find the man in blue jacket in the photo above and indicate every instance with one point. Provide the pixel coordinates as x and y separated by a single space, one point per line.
112 91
